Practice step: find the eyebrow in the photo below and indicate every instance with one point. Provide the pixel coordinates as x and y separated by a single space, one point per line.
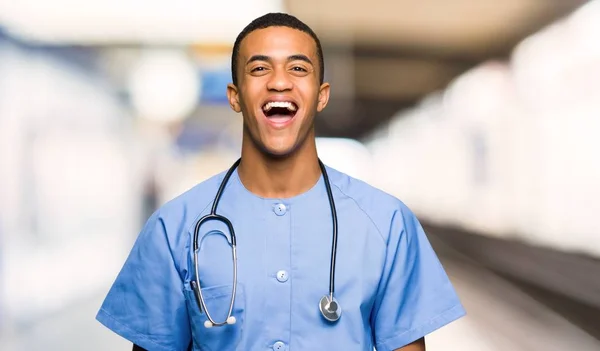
296 57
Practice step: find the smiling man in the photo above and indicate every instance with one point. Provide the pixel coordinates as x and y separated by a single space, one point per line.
317 261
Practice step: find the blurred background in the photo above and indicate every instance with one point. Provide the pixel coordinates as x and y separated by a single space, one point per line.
482 116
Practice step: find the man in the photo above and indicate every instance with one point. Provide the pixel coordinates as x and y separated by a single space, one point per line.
388 281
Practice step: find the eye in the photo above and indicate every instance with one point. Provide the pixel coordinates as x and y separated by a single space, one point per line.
258 69
299 69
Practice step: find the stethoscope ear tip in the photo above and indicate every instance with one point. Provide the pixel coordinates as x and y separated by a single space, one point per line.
208 324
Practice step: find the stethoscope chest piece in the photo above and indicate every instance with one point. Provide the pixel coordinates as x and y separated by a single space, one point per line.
330 308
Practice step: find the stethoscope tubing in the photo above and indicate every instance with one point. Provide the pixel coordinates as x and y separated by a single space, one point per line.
214 216
335 231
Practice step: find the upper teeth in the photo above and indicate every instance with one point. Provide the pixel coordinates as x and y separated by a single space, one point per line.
284 104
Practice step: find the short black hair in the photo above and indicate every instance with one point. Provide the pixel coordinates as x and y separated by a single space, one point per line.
275 19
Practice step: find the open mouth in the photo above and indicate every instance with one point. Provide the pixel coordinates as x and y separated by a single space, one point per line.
280 111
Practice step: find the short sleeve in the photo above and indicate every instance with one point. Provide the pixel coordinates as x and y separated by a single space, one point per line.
415 296
146 304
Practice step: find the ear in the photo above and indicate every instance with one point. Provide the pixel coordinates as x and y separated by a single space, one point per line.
323 97
233 97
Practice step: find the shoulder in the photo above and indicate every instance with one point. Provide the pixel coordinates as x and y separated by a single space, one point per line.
386 211
193 202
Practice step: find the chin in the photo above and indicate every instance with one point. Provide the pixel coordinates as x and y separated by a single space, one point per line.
278 152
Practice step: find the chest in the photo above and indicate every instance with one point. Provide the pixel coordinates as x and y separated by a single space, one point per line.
281 242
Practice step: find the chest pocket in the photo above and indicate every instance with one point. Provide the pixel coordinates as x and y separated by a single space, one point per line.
217 300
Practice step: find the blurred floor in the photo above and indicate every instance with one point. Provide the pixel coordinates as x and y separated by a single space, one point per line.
566 282
72 329
501 316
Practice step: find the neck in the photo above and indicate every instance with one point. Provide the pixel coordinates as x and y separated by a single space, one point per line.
273 177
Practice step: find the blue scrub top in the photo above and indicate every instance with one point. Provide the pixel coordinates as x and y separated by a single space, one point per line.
389 282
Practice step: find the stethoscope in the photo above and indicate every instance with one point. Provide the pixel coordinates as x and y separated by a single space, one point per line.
328 305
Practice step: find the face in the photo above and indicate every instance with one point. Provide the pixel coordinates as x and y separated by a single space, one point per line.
278 91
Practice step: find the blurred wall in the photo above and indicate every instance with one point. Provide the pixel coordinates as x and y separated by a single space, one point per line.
509 149
69 191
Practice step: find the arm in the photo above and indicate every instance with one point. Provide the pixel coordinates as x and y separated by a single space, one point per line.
146 303
415 296
418 345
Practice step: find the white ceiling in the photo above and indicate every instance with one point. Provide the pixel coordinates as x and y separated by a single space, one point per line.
178 22
459 25
452 25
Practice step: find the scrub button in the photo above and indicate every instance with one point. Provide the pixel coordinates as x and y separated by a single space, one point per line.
279 346
279 209
282 276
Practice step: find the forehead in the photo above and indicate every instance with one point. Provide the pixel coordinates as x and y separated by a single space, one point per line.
278 41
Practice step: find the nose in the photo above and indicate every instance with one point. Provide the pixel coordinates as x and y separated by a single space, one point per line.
279 81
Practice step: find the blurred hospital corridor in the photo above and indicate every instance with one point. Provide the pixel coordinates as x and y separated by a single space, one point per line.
483 117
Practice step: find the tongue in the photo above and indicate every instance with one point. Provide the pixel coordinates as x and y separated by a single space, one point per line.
280 118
